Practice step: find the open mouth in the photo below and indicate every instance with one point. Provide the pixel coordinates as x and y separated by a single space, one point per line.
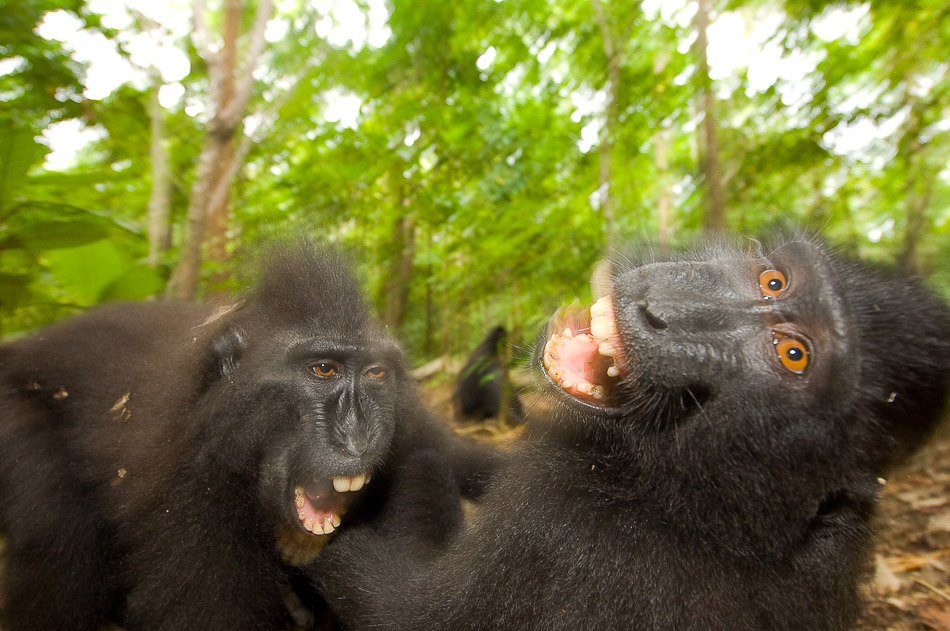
581 354
321 504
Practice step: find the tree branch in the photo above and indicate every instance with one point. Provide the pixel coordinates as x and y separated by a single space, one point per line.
605 31
244 147
242 90
201 37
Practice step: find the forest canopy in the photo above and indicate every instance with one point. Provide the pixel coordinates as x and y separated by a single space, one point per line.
479 156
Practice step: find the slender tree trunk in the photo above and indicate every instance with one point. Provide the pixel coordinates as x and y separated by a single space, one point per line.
231 162
430 306
917 192
400 273
216 240
504 402
504 358
661 143
917 202
445 312
216 207
183 283
613 51
661 147
158 213
217 163
715 218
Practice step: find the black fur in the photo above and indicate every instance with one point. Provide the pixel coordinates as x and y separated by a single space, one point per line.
478 392
715 491
149 452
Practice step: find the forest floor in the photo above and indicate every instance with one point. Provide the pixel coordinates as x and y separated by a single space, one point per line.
910 589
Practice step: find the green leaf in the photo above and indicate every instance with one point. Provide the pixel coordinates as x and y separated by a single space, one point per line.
18 152
87 270
14 289
52 235
135 283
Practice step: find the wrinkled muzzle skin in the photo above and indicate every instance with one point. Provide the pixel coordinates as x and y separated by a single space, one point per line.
775 374
341 438
321 408
687 334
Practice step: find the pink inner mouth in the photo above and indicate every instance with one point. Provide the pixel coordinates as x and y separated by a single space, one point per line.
321 504
580 354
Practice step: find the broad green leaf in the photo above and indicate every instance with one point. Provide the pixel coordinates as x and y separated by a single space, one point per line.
18 152
86 270
51 235
14 289
135 283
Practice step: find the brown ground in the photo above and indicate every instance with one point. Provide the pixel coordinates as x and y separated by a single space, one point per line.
911 591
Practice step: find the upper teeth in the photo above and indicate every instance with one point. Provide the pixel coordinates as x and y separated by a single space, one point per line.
601 307
342 484
602 325
603 332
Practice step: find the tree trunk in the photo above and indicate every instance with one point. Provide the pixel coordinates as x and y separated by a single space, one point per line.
400 273
504 358
917 195
715 218
216 237
216 207
183 283
217 163
661 142
158 212
661 148
445 317
917 192
613 51
430 306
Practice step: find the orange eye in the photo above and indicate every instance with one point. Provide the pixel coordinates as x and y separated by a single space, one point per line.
324 369
792 353
376 372
772 282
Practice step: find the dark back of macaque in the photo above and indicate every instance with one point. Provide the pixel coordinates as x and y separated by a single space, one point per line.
719 423
162 465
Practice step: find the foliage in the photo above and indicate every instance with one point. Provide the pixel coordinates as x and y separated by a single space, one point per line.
61 247
474 153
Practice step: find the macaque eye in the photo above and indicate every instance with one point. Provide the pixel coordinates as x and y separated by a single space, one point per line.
324 369
792 353
772 282
376 372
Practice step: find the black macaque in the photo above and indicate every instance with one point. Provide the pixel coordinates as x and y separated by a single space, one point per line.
162 463
478 392
711 461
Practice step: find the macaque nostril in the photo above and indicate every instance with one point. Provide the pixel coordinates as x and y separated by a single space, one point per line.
355 445
652 319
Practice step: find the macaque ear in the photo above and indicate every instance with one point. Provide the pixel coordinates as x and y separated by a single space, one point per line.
227 349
